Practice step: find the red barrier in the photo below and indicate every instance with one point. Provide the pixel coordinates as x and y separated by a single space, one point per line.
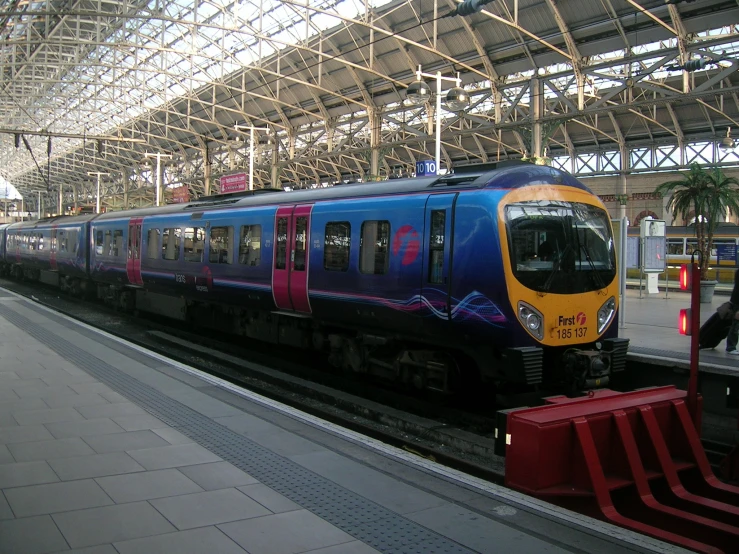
634 459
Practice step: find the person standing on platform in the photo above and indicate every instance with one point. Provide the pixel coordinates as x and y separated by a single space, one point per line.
733 337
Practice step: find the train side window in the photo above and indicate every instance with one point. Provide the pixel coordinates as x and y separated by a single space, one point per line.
691 245
337 246
171 244
40 241
107 242
281 244
52 242
62 240
720 242
436 246
250 245
99 242
301 230
152 244
72 239
221 245
194 244
116 247
373 241
675 247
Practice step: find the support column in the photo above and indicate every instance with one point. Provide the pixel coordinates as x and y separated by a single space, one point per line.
60 211
330 130
275 169
623 191
124 186
375 136
207 178
74 194
160 179
580 78
498 102
537 109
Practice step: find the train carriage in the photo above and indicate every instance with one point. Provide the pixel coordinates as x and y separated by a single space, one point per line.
3 227
507 273
681 242
54 250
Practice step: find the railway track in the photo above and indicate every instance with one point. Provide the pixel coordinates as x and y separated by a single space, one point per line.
431 428
436 428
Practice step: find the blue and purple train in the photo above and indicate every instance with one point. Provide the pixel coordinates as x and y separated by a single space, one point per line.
492 274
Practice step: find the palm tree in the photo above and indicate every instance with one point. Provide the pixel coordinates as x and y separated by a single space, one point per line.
709 193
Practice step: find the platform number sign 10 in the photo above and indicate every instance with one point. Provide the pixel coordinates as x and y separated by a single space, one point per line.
426 167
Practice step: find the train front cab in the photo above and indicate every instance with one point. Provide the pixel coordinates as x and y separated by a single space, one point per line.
561 276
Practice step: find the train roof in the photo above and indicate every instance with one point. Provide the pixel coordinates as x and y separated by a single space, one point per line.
500 175
60 220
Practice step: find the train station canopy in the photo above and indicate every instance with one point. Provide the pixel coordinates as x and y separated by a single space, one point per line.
593 86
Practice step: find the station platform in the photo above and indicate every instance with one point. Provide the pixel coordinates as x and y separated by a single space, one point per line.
108 448
651 326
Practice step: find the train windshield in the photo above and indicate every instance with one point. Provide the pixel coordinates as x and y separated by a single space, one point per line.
560 247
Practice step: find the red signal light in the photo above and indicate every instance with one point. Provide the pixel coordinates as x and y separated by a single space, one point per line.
686 276
684 322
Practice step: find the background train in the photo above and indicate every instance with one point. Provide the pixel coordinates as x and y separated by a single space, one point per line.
490 274
681 241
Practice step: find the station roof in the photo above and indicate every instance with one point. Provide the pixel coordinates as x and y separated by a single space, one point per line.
95 85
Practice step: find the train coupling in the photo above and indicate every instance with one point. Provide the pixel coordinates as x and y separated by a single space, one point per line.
591 369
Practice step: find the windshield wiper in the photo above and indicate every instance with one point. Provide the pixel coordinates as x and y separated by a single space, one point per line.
594 272
555 268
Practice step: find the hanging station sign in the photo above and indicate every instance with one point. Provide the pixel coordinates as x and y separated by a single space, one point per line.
233 183
181 195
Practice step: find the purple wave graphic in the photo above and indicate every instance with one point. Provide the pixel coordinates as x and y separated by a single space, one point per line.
473 307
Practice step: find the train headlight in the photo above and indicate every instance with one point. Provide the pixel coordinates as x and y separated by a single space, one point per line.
605 314
531 319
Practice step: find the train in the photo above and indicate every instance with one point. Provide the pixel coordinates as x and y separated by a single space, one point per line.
502 274
681 242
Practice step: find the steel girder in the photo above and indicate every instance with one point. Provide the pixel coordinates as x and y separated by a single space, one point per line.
179 74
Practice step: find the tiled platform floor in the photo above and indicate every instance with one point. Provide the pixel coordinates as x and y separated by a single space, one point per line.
106 449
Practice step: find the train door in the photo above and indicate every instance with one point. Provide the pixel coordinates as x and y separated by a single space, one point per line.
439 242
53 249
133 259
291 257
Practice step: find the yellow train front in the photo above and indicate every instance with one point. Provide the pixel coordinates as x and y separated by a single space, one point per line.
559 260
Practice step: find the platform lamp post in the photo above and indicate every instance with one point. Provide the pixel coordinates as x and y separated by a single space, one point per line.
97 196
158 156
457 100
251 130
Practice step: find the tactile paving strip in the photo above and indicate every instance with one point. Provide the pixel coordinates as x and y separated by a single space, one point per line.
365 520
659 353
